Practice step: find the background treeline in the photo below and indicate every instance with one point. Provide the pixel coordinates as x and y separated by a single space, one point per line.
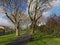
52 26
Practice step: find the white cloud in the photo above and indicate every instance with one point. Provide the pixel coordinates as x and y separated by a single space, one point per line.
1 12
46 14
55 3
3 21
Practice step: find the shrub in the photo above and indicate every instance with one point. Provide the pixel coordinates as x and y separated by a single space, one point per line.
2 32
37 36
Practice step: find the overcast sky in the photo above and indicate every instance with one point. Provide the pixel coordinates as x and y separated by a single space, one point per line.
55 9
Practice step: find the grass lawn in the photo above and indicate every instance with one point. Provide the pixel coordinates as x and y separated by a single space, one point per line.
45 41
5 39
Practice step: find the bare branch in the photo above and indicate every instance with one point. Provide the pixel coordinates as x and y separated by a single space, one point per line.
9 18
38 18
29 10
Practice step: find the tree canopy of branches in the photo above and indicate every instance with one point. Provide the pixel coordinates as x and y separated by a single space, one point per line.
35 10
53 24
13 9
53 21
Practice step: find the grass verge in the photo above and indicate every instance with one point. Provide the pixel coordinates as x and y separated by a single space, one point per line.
41 39
5 39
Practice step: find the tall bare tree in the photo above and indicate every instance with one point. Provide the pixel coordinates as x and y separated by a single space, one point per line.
13 9
35 10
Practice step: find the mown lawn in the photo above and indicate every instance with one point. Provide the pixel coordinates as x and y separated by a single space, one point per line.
46 40
5 39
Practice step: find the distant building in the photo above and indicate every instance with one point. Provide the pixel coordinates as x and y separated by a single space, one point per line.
1 27
6 30
2 31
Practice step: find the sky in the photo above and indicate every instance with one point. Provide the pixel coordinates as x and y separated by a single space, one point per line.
55 9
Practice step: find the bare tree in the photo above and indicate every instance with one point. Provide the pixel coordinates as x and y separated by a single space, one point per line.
35 10
13 9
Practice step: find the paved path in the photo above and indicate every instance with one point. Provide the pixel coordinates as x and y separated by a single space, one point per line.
22 41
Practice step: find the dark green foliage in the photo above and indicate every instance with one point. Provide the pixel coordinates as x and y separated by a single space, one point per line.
37 36
52 27
2 32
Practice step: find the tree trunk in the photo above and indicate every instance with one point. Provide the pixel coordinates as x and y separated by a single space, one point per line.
33 26
33 29
17 31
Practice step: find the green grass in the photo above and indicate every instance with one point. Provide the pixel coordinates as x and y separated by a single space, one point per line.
42 39
22 32
5 39
46 41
